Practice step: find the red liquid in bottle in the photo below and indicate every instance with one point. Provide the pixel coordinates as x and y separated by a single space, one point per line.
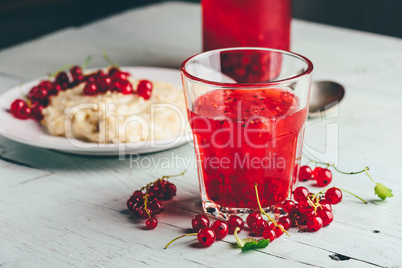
247 136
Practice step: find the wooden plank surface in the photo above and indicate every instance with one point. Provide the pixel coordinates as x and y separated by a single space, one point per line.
61 210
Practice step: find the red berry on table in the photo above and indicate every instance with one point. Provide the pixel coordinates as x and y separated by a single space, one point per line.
19 109
288 206
138 193
315 171
169 190
276 228
206 236
285 221
314 223
259 227
151 223
91 89
323 177
220 228
305 173
326 216
305 207
155 190
252 218
199 221
234 222
156 206
333 196
269 234
144 89
142 212
130 202
300 193
324 205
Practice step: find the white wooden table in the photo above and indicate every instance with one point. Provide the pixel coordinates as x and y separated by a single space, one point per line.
60 210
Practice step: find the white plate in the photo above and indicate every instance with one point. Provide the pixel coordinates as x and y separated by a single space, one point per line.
30 132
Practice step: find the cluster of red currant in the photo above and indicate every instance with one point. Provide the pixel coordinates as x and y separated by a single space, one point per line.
146 202
322 176
98 82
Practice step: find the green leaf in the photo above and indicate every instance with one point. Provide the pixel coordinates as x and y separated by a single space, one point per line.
382 191
256 244
250 243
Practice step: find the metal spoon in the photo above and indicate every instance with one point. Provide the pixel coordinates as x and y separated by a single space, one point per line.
325 95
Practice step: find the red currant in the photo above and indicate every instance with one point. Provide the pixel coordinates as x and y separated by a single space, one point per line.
314 223
278 231
300 193
285 221
206 236
234 222
305 173
305 207
113 70
119 75
323 177
36 111
143 213
91 89
199 221
104 83
333 196
269 234
220 228
289 206
324 205
315 171
151 223
155 190
138 193
169 190
19 109
252 218
62 77
156 206
259 226
326 216
144 89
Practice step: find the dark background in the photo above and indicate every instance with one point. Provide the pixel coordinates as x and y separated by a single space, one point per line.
22 20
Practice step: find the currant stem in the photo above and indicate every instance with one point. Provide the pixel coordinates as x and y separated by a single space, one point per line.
86 62
340 171
237 237
353 195
178 238
146 204
171 176
366 170
263 212
108 60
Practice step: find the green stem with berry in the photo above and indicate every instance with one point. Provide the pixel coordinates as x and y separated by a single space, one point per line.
380 190
191 234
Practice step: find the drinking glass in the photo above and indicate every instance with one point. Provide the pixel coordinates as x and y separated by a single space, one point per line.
256 23
248 124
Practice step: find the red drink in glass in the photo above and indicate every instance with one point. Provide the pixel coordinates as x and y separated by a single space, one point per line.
248 124
243 137
246 23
